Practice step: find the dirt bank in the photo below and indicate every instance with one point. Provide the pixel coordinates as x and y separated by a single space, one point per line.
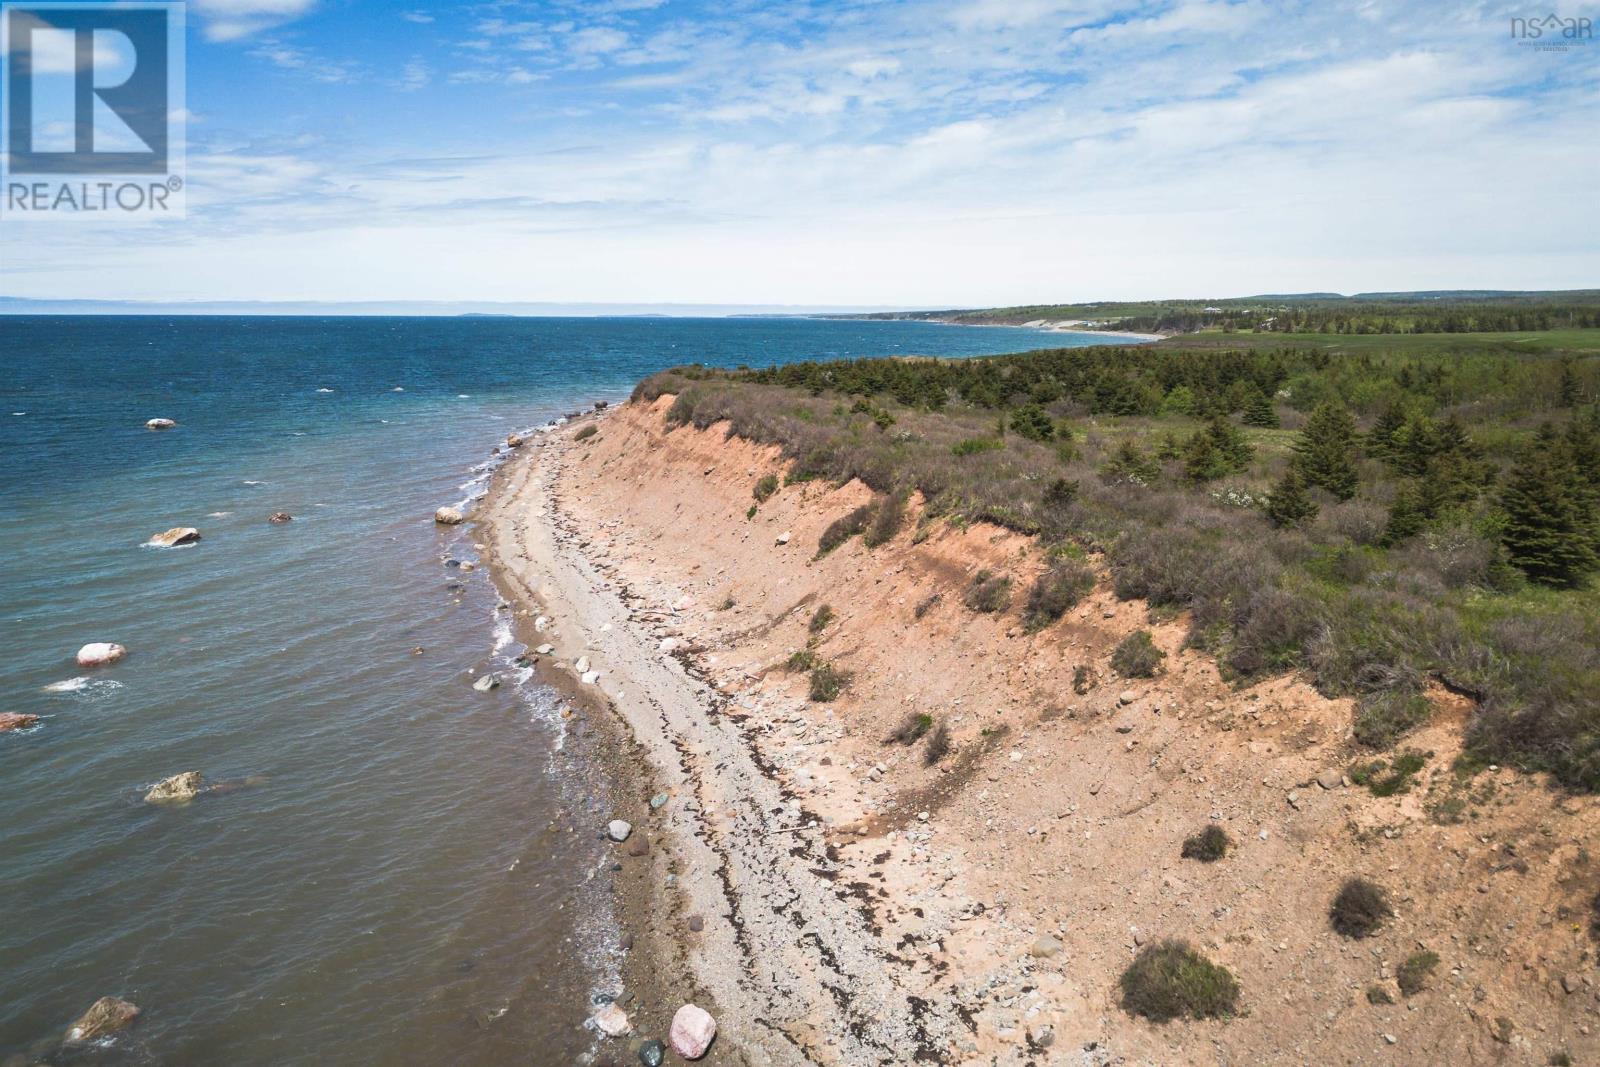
862 905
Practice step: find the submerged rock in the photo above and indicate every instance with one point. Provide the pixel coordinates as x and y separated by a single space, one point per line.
179 787
11 720
100 653
448 516
159 424
619 829
693 1030
278 518
486 683
611 1021
106 1016
178 535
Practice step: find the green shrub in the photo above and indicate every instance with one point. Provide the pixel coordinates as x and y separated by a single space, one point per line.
1378 994
586 432
972 446
1059 588
1170 980
1383 717
827 683
766 485
802 660
1387 779
1031 421
1208 846
750 513
820 619
1359 909
988 593
842 529
910 731
1413 973
1137 656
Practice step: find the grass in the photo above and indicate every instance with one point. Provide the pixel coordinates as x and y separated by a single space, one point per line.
911 729
827 683
1207 846
765 487
1063 584
1171 980
1386 778
801 661
1360 909
1414 973
939 745
887 519
988 594
1137 656
820 619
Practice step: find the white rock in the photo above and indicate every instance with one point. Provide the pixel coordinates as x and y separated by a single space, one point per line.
448 516
669 645
159 424
590 677
100 653
783 538
1045 947
693 1030
178 535
611 1021
619 829
545 650
683 603
179 787
540 623
582 666
486 683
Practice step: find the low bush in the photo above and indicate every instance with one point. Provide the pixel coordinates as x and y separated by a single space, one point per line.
886 520
910 731
842 529
1083 680
820 619
1359 909
766 485
803 660
988 593
1414 972
1059 588
586 432
938 745
1385 778
1170 980
972 446
927 604
827 683
1379 994
1385 716
1137 656
1208 846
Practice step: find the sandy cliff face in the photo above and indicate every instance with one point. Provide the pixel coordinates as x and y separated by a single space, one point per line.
1061 809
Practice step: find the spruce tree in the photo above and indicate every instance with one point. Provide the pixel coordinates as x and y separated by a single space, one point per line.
1258 411
1202 462
1567 392
1289 504
1325 452
1384 437
1229 443
1549 530
1407 515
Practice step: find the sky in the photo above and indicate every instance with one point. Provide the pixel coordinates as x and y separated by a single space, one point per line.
935 153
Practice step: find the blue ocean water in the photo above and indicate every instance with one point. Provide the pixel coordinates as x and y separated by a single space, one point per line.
389 882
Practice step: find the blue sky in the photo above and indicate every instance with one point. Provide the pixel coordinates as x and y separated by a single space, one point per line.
932 153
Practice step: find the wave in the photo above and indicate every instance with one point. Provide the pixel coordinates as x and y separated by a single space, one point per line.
84 684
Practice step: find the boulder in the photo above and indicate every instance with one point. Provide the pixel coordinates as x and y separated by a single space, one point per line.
448 516
1126 697
159 424
545 649
513 441
1045 947
11 720
652 1053
467 566
619 829
100 653
611 1021
106 1016
278 518
486 683
639 846
783 538
178 535
540 623
1330 779
589 677
693 1030
180 787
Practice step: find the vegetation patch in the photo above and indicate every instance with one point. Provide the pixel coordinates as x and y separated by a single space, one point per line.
927 604
911 729
1386 778
586 432
765 486
1170 980
886 520
1208 846
989 593
820 619
801 661
842 529
1414 972
827 683
1137 656
1063 584
938 747
1359 909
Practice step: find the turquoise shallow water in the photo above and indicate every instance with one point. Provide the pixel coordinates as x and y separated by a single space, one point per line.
384 888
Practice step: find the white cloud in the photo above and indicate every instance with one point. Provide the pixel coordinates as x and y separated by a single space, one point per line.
231 20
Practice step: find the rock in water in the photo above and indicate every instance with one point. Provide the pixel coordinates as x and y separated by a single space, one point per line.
449 517
611 1021
178 535
179 787
11 720
693 1030
100 653
159 424
107 1016
618 829
486 683
278 518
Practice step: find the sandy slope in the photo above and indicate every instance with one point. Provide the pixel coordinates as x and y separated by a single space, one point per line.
883 936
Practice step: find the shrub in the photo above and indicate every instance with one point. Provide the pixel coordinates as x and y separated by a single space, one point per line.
1137 656
1413 973
974 445
927 604
1377 994
1387 779
1170 979
586 432
827 683
910 731
938 745
1083 679
886 520
820 620
1359 909
803 660
1383 717
988 593
1059 588
842 529
766 485
1031 421
750 512
1209 845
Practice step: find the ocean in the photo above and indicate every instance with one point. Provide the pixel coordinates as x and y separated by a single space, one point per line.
386 876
